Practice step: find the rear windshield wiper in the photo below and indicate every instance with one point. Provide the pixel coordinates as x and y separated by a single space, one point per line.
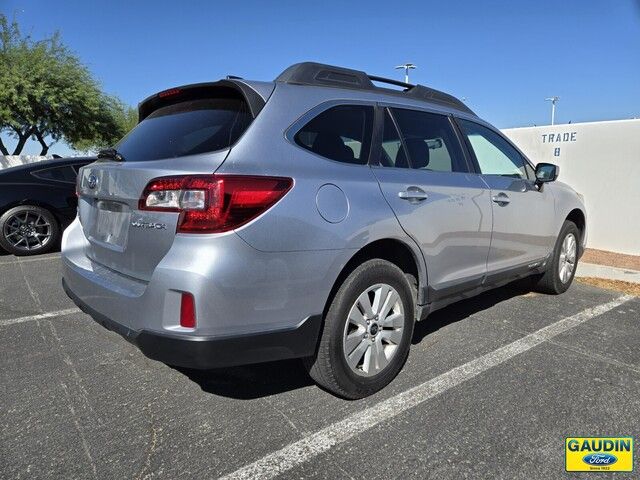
111 154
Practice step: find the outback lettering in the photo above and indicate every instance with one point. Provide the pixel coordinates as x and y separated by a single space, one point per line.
149 225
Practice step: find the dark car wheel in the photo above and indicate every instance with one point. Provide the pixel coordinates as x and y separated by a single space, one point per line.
28 230
367 331
562 267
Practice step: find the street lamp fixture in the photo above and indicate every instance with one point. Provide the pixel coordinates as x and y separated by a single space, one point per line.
406 67
553 101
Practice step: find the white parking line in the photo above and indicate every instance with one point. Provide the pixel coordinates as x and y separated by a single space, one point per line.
39 316
313 445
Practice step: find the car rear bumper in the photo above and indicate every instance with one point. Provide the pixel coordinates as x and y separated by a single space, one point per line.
203 352
251 306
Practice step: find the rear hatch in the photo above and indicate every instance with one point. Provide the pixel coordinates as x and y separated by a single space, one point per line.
182 131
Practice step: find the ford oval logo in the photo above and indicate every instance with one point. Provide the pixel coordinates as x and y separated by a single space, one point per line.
603 459
92 181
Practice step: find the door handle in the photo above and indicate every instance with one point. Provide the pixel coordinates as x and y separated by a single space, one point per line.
501 199
414 194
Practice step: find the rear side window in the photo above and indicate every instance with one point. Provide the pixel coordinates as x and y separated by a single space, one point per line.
341 133
187 128
64 174
426 142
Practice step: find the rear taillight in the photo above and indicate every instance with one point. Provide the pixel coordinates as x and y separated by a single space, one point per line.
213 203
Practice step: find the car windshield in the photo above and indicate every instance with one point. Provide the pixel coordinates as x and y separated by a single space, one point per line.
187 128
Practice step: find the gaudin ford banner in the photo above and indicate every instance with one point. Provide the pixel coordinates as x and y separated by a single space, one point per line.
599 454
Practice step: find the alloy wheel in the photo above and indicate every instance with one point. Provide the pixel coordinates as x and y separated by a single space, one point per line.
27 230
567 261
373 330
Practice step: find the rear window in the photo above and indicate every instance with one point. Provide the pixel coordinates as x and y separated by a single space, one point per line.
187 128
64 174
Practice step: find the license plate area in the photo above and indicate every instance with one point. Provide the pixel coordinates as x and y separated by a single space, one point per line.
111 227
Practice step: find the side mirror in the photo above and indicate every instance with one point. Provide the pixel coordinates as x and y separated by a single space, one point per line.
546 172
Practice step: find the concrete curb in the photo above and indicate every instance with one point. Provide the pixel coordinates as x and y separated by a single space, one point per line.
610 273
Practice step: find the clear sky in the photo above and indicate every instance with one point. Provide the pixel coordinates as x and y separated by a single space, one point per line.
504 57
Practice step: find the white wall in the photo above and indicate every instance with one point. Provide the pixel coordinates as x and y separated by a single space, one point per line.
600 160
15 160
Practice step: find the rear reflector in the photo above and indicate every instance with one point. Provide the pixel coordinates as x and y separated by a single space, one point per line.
213 203
187 311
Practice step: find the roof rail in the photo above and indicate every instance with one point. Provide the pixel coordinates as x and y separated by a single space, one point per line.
310 73
390 81
319 74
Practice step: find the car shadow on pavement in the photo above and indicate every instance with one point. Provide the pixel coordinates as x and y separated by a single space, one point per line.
465 308
266 379
251 381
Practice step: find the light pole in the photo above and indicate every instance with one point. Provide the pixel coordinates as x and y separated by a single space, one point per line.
406 67
553 101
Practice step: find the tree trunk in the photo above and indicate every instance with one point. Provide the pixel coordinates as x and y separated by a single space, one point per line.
43 144
22 139
3 149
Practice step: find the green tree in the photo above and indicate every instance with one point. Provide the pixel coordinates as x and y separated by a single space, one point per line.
114 115
47 94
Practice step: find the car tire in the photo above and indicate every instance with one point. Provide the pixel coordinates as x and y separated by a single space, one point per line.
356 358
28 230
564 262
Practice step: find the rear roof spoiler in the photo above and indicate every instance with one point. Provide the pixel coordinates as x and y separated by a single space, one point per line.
318 74
201 90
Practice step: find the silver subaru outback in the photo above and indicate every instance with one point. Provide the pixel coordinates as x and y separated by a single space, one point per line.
317 216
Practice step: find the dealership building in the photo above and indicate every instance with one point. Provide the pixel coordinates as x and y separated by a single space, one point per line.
600 160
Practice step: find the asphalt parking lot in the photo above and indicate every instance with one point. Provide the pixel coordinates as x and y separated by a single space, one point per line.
491 388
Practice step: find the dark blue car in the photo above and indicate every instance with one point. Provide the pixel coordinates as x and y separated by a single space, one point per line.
37 201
